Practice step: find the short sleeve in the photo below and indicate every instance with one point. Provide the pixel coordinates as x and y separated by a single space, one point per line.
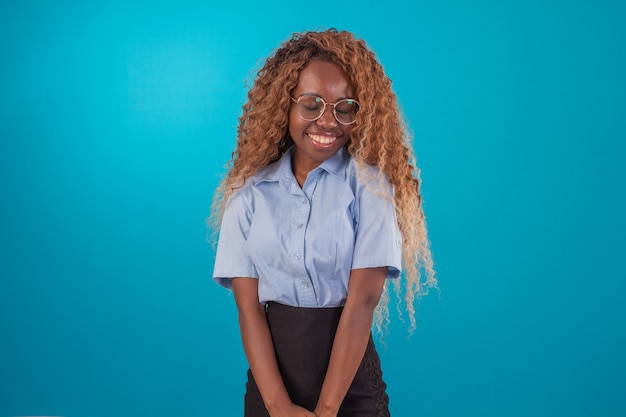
378 241
232 258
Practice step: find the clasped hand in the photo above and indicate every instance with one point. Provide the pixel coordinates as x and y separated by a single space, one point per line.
296 411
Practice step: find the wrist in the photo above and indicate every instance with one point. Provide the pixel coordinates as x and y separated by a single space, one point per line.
325 409
277 402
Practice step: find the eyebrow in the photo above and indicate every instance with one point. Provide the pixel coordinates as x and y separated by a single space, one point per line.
320 96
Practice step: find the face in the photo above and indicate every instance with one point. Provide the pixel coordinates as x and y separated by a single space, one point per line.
318 140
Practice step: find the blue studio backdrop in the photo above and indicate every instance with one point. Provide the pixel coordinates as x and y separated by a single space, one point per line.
116 120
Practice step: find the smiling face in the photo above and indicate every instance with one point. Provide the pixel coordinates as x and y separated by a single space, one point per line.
318 140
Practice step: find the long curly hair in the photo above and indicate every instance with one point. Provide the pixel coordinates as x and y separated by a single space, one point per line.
379 138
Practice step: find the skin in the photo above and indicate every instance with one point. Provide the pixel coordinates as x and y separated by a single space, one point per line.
326 80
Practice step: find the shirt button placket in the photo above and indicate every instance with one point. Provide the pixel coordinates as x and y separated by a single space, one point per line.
306 293
302 216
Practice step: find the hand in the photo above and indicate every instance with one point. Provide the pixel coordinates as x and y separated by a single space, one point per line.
325 411
325 414
290 410
300 411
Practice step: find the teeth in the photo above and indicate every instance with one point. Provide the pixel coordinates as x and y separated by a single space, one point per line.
324 140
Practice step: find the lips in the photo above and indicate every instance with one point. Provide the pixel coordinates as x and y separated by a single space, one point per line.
322 139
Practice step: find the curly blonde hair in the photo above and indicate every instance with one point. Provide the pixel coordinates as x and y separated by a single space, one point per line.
379 138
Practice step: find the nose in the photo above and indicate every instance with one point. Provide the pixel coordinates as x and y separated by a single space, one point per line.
327 118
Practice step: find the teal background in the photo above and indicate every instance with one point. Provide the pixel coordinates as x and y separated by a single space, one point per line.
116 119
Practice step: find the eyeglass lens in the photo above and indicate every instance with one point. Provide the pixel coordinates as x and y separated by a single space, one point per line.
312 107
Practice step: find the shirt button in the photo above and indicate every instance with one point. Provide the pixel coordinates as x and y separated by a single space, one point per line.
304 201
300 225
305 284
298 256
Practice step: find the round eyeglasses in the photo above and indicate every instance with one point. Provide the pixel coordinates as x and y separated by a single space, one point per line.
312 108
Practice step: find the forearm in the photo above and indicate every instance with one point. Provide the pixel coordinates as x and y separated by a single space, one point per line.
351 339
258 345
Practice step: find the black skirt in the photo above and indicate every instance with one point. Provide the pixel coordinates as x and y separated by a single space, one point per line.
303 339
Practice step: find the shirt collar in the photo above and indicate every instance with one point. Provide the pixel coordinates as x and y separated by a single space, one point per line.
336 164
282 173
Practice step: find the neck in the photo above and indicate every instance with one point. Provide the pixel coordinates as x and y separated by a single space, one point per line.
299 172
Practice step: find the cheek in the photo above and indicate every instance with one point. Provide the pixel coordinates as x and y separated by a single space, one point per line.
347 131
292 120
292 127
296 124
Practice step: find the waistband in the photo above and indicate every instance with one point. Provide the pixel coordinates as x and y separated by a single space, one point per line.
288 322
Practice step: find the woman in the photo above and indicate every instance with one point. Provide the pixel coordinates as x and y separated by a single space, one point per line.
319 210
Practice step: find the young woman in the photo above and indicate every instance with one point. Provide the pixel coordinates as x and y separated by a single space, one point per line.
319 211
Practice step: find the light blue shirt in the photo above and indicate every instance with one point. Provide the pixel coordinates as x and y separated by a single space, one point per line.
302 243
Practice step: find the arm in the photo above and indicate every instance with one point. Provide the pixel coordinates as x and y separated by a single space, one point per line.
259 349
353 332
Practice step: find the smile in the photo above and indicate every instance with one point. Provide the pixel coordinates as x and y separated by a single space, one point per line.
323 140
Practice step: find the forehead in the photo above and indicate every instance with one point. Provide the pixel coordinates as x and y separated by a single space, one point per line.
325 79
